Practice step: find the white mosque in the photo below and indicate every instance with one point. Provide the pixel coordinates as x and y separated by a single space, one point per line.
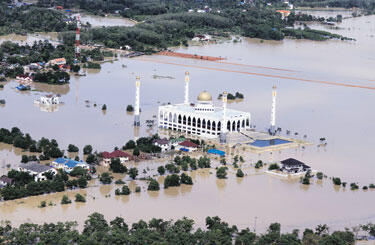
203 118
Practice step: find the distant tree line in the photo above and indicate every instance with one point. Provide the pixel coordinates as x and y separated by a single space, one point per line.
97 230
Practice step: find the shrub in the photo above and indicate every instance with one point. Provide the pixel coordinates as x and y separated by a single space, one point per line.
274 166
186 179
65 200
259 164
106 178
239 173
336 181
161 170
104 107
354 186
117 167
153 185
221 173
119 182
129 108
87 149
133 173
80 198
72 148
124 191
172 180
43 204
371 186
319 175
138 189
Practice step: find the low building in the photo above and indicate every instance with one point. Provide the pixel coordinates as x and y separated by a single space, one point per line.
58 61
164 144
68 165
293 166
187 146
37 170
5 180
123 156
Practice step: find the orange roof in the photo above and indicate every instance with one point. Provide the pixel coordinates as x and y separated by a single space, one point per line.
283 11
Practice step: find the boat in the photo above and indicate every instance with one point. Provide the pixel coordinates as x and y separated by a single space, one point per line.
48 100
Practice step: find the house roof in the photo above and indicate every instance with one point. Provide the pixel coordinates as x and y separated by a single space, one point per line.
188 143
6 179
35 167
161 141
115 154
291 162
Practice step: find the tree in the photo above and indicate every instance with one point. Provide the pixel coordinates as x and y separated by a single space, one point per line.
336 181
91 158
24 159
153 185
129 145
274 166
82 182
65 200
186 179
133 173
106 178
161 170
116 166
221 173
319 175
129 108
78 171
136 151
87 149
172 180
72 148
104 107
80 198
239 173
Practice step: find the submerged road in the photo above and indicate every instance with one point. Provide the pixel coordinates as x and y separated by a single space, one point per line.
349 84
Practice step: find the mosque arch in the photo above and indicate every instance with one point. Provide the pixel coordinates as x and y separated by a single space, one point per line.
234 126
204 123
194 122
213 126
243 123
238 125
179 118
189 121
170 117
228 125
174 117
247 122
199 123
184 120
208 124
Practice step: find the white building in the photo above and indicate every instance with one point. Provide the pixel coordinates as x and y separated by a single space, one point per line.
164 144
37 170
68 164
48 100
203 118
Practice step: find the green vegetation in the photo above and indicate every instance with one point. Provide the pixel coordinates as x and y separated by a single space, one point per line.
221 173
106 178
336 181
124 191
354 186
28 19
172 180
52 77
43 204
186 179
129 108
92 65
87 149
319 175
72 148
117 167
133 173
119 182
137 189
161 170
153 185
104 107
274 166
65 200
259 164
97 230
80 198
239 173
230 96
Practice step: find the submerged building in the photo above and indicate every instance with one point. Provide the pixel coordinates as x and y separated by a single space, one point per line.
202 118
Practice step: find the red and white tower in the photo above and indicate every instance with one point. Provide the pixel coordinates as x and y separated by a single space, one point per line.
77 50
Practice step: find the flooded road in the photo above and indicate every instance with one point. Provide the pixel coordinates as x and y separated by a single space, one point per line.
343 115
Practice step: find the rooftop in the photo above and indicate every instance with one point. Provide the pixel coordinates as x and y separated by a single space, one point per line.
291 162
162 141
70 163
217 114
188 143
35 167
115 154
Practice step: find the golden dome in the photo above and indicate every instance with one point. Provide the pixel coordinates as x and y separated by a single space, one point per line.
204 96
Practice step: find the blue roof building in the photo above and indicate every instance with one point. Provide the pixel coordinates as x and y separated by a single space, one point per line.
68 164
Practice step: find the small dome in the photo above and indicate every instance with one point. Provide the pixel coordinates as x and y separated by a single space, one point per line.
204 96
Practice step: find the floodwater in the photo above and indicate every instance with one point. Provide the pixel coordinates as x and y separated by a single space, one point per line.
313 100
105 21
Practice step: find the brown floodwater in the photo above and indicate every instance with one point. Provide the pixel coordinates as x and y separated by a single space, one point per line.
344 115
105 21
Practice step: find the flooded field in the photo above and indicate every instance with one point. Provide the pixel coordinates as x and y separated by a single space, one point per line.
105 21
313 100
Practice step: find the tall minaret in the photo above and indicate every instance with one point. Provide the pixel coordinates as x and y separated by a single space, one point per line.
223 133
273 112
187 79
137 122
77 49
